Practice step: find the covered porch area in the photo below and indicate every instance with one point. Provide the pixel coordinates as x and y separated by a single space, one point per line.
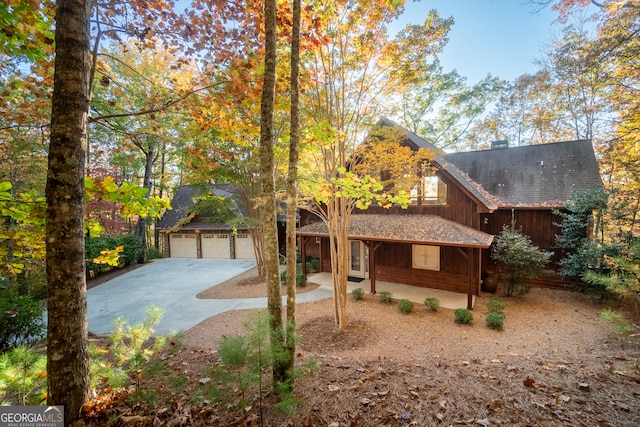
414 255
415 294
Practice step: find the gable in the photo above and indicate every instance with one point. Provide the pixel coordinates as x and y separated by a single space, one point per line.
544 175
183 201
485 201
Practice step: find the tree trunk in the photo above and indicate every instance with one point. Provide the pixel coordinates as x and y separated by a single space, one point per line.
274 300
292 175
339 222
67 358
141 226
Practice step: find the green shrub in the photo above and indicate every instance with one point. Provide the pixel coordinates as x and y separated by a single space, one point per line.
21 320
153 253
283 276
623 326
495 305
519 260
357 294
463 316
129 255
23 377
405 306
131 349
233 351
384 297
432 303
315 265
301 280
495 320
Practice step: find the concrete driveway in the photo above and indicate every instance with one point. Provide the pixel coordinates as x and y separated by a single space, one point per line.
173 283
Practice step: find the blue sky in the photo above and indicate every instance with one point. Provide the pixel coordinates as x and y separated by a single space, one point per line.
501 37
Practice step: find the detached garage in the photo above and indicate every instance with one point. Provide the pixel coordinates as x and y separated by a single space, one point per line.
187 234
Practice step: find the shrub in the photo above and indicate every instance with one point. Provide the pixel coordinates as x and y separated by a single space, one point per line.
495 320
519 259
129 256
23 377
129 356
432 304
315 264
301 280
495 305
153 253
623 326
384 297
357 294
21 320
405 306
463 316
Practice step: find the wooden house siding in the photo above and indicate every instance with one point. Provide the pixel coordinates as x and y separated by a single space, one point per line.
394 264
459 207
537 224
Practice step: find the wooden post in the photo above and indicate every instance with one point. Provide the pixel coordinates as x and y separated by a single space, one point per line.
470 279
372 264
303 253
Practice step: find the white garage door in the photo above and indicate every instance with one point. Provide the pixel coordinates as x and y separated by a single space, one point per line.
215 246
244 247
183 246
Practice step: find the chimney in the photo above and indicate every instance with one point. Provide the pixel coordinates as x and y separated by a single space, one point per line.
503 143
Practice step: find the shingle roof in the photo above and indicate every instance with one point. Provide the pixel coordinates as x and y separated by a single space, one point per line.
183 201
419 229
543 175
473 188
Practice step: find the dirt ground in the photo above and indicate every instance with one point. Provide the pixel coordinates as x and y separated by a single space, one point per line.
556 363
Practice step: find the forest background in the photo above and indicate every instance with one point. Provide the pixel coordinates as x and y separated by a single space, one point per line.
176 93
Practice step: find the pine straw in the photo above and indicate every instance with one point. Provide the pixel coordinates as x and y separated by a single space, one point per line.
555 364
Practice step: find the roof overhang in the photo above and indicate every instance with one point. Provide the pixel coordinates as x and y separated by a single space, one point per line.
411 229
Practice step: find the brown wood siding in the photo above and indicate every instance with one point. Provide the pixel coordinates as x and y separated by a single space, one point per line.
538 225
313 247
460 208
394 264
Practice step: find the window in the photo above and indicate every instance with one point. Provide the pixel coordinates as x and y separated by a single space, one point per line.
430 190
426 257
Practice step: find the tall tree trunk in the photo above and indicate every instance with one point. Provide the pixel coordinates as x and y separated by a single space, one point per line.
292 175
141 226
267 181
67 358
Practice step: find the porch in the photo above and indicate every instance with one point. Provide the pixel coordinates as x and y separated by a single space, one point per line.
415 294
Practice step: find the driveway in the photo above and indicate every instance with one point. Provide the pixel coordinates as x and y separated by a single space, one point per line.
172 284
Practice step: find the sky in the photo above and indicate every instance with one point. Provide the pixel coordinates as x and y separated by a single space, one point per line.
501 37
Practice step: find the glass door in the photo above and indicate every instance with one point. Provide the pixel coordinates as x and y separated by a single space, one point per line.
358 259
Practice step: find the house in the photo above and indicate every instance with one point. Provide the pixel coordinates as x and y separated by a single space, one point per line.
189 235
442 239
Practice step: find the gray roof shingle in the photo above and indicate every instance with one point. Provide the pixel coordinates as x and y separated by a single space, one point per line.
419 229
544 175
183 201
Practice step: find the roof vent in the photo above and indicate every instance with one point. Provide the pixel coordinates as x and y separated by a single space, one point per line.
503 143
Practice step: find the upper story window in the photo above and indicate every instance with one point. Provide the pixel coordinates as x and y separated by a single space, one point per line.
430 190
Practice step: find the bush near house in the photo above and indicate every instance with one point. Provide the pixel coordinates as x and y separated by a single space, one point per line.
463 316
405 306
519 260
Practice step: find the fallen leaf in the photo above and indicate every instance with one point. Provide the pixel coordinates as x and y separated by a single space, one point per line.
529 382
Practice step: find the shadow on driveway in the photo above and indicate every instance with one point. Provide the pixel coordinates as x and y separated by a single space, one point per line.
172 284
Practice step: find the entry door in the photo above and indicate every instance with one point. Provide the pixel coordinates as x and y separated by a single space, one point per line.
358 259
